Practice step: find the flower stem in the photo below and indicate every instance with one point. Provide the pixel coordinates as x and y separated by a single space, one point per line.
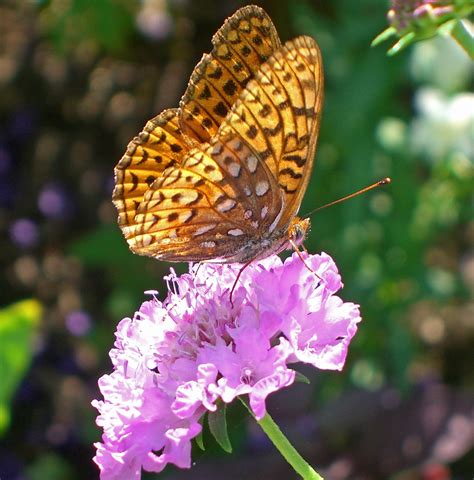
290 454
460 32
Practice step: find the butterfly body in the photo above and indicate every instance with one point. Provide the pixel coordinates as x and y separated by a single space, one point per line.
257 248
221 178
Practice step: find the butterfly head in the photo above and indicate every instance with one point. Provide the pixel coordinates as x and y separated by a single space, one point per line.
298 230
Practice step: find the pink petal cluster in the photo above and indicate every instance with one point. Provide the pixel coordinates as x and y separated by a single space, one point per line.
176 358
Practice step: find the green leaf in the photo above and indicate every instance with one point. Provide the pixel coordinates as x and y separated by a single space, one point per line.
218 427
461 31
200 441
302 378
381 37
200 438
402 43
18 325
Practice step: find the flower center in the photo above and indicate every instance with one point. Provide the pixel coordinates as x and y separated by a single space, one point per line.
247 375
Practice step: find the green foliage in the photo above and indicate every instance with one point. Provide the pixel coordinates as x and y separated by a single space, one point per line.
199 440
50 466
18 325
218 427
103 24
380 241
129 275
299 377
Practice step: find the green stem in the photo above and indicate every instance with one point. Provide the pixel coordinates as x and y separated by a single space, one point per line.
461 33
300 465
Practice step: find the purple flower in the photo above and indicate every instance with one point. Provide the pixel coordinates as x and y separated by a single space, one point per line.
53 201
177 358
78 323
24 233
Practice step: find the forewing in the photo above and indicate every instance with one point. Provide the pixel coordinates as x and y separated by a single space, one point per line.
246 40
157 147
278 114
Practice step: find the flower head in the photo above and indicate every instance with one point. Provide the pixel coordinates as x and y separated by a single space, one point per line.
177 358
414 20
420 14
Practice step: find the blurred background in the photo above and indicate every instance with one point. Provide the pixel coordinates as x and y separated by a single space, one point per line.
79 79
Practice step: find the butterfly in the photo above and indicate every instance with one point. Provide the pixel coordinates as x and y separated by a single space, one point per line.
221 178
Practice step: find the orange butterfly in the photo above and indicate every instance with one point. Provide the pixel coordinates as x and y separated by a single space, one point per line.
221 178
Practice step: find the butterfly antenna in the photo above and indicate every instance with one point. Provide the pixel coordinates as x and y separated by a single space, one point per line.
384 181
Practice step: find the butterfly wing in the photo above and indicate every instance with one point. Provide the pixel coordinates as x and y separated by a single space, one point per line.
279 114
208 208
246 40
225 199
158 146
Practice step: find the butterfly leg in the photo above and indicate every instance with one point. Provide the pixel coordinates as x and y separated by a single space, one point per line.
197 269
237 280
298 251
